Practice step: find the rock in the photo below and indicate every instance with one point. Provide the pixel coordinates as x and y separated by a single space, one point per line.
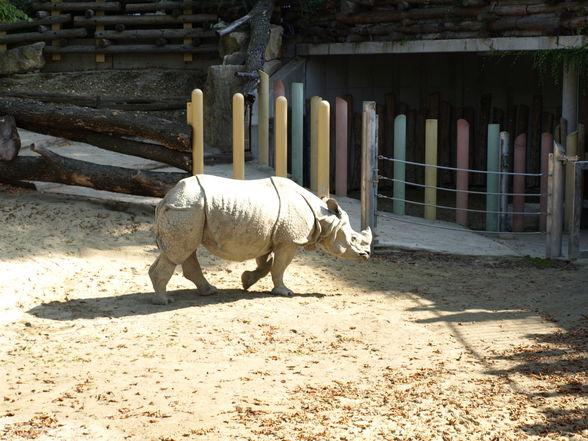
221 84
233 42
236 58
9 139
273 50
22 59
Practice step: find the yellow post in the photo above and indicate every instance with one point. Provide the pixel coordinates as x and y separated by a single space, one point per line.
55 27
3 47
238 136
100 58
189 113
263 118
323 147
571 150
197 122
281 136
431 172
314 106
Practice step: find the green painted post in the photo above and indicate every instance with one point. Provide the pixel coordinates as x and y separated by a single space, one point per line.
399 206
492 181
297 130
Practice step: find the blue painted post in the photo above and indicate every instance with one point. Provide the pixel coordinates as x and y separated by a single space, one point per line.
492 181
399 206
297 131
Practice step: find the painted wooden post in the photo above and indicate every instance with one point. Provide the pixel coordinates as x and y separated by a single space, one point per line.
431 169
518 183
369 149
324 149
238 136
100 58
462 176
279 89
341 142
504 179
314 106
297 132
187 41
263 118
281 136
56 27
197 123
398 205
557 200
571 150
492 181
546 145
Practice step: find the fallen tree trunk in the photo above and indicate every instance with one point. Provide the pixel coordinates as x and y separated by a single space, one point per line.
175 136
51 167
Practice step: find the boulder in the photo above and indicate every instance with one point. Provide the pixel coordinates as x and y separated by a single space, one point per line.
22 59
273 50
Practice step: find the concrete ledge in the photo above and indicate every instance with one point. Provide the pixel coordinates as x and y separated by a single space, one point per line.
437 46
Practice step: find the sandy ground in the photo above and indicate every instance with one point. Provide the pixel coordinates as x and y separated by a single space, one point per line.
402 347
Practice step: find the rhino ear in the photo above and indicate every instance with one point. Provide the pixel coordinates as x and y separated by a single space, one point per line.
333 206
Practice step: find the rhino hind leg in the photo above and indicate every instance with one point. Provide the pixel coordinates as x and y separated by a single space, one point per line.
264 264
160 273
193 272
282 258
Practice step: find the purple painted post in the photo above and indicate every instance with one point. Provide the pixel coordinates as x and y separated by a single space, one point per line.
341 147
279 89
518 182
462 177
546 146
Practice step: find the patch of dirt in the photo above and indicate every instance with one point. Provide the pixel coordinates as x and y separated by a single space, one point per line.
403 346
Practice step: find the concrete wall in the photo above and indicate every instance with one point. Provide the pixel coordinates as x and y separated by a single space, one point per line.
461 78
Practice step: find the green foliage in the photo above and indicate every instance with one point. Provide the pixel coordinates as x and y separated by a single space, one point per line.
10 13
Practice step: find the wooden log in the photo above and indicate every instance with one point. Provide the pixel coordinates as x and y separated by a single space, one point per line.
113 143
51 167
9 139
54 19
42 36
175 136
144 34
161 5
76 6
134 49
138 20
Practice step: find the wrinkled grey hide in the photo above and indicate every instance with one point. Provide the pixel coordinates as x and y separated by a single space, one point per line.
264 219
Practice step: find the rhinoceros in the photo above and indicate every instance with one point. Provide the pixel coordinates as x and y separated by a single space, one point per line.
264 219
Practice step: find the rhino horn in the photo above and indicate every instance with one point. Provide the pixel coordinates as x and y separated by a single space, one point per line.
367 233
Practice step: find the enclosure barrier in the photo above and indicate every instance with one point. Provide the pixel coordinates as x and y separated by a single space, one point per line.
574 250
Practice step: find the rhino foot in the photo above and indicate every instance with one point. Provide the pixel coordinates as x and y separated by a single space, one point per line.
248 278
162 299
207 290
282 291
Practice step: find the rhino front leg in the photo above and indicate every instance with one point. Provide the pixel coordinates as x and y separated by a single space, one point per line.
264 264
282 258
160 273
193 272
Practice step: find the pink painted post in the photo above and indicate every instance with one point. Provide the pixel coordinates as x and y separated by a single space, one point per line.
341 147
279 89
546 146
462 177
518 182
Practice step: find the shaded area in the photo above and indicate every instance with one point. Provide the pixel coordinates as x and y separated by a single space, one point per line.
139 304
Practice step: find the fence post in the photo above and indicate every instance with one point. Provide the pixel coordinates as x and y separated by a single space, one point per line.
314 106
503 179
492 182
263 118
518 183
546 143
238 136
369 149
399 204
571 150
297 131
462 177
341 142
197 123
575 211
324 149
281 136
431 169
557 201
